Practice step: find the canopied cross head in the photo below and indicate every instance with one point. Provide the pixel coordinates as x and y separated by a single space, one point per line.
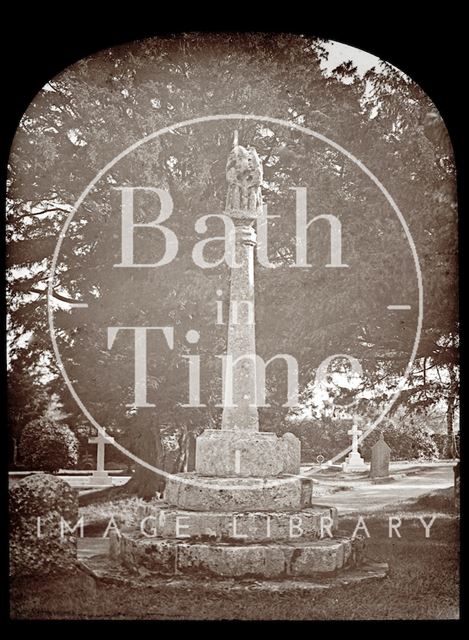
244 167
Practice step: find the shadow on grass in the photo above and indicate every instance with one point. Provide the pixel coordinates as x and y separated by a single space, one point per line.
440 501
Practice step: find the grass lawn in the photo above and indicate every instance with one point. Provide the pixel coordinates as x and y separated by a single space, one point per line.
423 583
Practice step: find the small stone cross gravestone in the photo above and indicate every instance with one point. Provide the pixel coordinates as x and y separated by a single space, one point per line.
100 476
380 458
354 461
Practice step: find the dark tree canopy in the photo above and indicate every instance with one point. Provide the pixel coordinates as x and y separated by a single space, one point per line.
101 105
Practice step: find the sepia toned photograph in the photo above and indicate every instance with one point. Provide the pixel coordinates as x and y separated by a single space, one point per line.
232 337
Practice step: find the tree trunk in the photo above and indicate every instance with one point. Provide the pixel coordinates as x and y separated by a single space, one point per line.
450 411
450 426
190 452
146 483
15 452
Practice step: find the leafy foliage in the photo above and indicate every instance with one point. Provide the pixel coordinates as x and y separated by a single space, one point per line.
98 107
47 444
50 499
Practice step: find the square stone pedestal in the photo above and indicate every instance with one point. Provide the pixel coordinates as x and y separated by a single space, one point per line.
225 453
100 478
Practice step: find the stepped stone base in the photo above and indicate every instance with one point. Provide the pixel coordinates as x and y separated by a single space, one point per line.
225 453
104 569
236 528
267 560
254 526
197 493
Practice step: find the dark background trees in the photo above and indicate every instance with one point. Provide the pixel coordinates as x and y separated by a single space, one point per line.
101 105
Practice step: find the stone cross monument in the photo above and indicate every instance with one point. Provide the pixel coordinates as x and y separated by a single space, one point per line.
247 510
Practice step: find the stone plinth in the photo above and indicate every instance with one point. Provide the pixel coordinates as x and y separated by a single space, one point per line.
247 526
274 560
354 463
196 493
100 478
226 453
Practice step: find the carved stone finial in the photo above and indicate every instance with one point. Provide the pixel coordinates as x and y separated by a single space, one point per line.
244 175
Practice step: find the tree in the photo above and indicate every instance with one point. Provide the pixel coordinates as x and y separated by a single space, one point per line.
384 119
47 444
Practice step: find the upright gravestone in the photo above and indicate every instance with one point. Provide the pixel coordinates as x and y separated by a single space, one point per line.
380 458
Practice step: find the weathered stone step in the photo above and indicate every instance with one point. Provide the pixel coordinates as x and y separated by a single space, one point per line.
250 526
199 493
266 560
107 571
